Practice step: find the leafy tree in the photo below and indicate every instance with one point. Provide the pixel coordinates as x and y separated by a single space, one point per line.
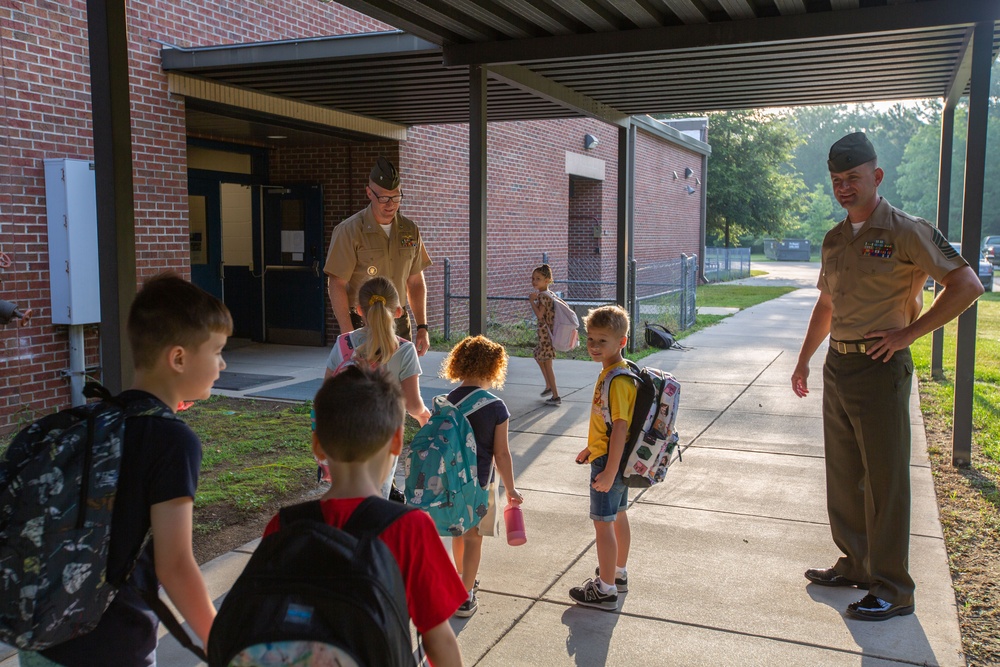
818 216
918 174
890 130
819 127
750 190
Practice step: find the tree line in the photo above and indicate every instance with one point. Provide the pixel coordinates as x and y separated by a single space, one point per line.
767 175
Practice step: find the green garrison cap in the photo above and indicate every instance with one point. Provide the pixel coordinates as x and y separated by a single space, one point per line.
851 151
384 174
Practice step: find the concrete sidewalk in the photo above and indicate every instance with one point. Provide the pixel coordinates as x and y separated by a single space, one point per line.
718 550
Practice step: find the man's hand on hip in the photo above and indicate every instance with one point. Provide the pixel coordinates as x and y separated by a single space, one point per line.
890 342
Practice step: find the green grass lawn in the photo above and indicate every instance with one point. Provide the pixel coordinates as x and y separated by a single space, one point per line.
737 296
938 396
255 454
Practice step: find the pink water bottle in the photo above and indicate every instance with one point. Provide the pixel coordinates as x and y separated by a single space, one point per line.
513 518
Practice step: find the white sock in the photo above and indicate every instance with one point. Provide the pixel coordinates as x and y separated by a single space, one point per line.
606 588
621 572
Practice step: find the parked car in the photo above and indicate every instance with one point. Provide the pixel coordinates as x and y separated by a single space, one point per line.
985 268
991 250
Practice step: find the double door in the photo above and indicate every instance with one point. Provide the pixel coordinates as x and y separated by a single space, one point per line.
260 250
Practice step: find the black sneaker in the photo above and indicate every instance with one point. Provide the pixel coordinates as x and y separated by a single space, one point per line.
621 583
828 577
554 401
546 391
590 595
871 608
468 608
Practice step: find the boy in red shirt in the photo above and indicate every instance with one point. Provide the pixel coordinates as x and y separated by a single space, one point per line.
359 431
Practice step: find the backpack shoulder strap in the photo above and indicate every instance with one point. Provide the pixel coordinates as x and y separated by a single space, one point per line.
311 511
346 346
631 371
468 404
373 516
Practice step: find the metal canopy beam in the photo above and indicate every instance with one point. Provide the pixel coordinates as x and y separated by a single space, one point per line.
276 106
687 11
112 120
297 51
790 6
943 220
961 73
477 200
738 9
526 80
410 21
972 229
643 15
799 28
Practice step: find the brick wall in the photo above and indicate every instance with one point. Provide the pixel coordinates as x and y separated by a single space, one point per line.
667 218
527 203
46 102
44 75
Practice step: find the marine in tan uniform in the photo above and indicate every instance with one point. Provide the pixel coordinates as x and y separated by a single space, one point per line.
379 241
874 265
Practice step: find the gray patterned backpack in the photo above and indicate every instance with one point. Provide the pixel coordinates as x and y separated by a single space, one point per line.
58 480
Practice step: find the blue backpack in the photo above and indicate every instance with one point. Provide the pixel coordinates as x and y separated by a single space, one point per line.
58 480
441 469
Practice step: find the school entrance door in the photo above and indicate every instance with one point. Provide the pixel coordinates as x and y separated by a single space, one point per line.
294 282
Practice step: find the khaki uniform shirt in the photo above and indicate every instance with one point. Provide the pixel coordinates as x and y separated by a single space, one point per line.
360 250
876 278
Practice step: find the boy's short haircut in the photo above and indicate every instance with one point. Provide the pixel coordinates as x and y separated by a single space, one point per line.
357 411
476 357
169 311
613 318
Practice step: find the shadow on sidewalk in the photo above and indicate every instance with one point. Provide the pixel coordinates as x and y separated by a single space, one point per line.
589 634
870 636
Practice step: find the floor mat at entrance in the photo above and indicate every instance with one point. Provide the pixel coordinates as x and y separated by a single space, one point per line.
242 381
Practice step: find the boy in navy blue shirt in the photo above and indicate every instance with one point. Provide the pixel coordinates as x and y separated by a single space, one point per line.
177 333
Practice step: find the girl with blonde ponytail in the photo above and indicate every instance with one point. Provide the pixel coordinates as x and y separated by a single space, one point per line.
376 343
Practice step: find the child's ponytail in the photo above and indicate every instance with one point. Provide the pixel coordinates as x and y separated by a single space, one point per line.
379 300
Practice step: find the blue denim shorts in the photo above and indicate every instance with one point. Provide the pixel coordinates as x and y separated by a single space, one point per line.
605 506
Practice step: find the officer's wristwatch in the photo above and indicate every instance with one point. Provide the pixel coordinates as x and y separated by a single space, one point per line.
421 326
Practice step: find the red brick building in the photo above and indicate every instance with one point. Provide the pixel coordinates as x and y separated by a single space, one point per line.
208 181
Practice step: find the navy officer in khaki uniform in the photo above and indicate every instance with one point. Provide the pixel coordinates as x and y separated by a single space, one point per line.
875 263
379 241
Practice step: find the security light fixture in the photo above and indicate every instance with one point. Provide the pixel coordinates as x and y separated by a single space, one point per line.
690 190
688 171
589 141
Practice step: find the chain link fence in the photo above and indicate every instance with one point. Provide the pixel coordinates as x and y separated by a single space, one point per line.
664 293
723 264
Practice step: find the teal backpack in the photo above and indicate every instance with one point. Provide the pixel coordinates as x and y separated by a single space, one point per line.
441 470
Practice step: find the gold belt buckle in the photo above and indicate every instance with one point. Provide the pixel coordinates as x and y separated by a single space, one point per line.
840 347
861 348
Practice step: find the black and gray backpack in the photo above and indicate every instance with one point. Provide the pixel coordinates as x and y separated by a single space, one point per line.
58 480
315 594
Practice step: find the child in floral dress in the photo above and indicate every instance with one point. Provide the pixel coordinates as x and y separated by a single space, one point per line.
541 302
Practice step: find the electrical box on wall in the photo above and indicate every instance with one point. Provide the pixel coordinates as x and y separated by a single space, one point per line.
71 206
